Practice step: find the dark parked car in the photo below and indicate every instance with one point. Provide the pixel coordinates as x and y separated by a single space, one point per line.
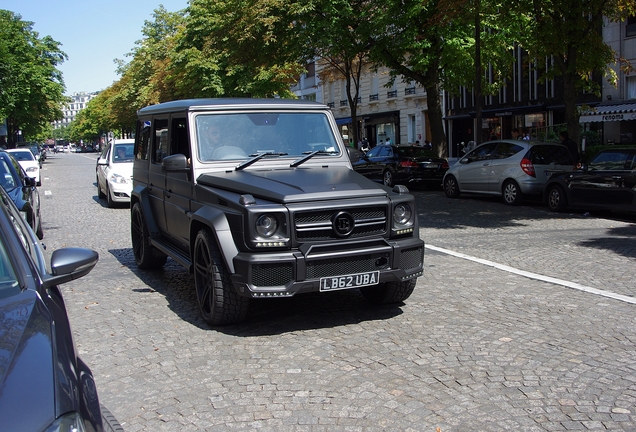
607 182
44 385
407 165
22 190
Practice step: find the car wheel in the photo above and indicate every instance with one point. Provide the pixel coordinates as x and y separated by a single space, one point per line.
38 221
219 302
556 198
109 199
146 255
451 188
388 292
109 422
511 193
100 194
387 178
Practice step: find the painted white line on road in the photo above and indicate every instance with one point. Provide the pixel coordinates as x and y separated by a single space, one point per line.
530 275
47 192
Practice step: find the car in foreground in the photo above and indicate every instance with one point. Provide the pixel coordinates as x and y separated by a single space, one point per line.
22 191
114 171
511 169
258 199
44 385
32 166
607 182
407 165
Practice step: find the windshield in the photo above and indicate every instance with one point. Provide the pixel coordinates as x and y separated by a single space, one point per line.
245 135
609 160
123 153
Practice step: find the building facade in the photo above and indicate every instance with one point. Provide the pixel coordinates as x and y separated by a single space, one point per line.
614 119
397 111
78 102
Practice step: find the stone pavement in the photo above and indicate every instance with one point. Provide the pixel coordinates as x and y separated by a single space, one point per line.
474 348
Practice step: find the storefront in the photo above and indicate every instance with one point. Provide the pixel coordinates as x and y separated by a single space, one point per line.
616 123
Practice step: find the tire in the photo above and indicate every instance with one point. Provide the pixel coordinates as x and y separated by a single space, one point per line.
100 194
219 302
511 193
146 255
556 199
109 199
109 422
387 178
388 292
39 232
451 187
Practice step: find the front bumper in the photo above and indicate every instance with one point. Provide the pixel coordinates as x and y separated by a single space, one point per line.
288 273
120 192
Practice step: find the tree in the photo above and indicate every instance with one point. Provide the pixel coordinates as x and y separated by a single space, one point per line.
31 87
569 32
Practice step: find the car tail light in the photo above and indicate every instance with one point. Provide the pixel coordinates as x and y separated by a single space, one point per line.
445 165
408 164
527 167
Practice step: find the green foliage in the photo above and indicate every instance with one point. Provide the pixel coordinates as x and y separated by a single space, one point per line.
31 87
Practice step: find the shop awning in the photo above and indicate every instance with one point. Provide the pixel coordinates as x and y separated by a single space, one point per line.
343 121
608 113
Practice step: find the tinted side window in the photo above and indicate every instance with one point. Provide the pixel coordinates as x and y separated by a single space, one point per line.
505 150
143 140
483 152
374 151
160 137
180 143
548 154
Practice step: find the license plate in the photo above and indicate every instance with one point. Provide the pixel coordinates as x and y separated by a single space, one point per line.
349 281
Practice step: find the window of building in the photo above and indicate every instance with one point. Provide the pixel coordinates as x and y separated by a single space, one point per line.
411 128
630 28
631 87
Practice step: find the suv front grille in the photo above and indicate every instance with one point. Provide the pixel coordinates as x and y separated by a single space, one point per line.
269 275
317 225
342 266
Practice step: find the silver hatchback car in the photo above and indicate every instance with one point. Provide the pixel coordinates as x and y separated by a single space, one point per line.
510 168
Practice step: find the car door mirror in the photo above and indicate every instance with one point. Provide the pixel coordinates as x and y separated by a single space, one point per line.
175 163
29 182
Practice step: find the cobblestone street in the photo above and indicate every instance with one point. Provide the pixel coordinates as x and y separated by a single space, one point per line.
479 346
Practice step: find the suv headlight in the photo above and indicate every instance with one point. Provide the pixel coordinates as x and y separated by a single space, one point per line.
402 219
269 229
266 225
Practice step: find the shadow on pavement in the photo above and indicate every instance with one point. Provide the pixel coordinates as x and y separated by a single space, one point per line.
265 316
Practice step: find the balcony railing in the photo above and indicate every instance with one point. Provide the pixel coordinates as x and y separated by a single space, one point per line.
331 104
391 94
374 97
409 91
344 103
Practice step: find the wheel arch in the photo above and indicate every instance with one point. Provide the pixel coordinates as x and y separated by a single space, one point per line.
216 221
140 195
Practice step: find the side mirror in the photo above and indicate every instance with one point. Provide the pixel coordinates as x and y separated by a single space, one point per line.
68 264
175 163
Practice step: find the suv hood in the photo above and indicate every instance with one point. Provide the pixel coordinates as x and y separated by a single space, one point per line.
27 400
295 184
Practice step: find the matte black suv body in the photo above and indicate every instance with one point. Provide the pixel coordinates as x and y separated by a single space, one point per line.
258 198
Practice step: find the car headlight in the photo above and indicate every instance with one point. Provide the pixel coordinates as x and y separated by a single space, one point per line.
32 169
116 178
266 225
402 214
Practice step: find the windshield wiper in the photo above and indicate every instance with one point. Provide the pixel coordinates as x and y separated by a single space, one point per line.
309 155
255 158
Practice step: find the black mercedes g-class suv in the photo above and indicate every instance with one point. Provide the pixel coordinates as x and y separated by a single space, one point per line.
257 197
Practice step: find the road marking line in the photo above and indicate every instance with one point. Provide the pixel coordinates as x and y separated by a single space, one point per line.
47 192
536 276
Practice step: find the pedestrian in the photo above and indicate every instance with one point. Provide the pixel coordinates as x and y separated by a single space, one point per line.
388 141
515 133
573 148
427 145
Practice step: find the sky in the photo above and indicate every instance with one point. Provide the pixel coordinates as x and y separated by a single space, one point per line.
92 33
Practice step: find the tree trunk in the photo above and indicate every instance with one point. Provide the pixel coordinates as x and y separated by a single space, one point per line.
435 114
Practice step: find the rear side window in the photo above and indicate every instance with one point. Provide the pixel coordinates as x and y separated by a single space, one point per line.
550 154
505 150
